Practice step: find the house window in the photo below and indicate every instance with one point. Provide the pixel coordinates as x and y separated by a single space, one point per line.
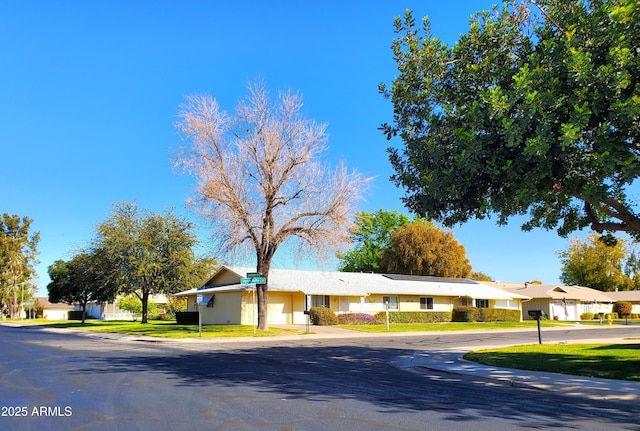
464 302
482 303
320 301
426 303
392 301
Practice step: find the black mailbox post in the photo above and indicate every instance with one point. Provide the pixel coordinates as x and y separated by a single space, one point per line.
537 314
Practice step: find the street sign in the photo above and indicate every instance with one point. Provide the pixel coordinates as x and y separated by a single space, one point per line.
29 304
253 280
253 274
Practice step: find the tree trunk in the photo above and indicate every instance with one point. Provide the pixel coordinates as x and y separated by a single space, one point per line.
262 290
145 303
263 303
14 304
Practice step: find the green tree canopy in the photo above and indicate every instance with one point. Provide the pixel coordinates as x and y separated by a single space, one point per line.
133 305
149 253
419 248
18 251
81 280
480 276
371 234
534 110
595 264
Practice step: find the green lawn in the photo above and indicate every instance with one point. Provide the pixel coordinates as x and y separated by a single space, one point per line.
158 328
610 361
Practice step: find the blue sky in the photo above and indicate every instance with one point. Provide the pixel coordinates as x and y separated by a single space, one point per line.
89 93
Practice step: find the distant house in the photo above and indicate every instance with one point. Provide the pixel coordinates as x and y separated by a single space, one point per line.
632 296
52 311
111 311
291 292
559 302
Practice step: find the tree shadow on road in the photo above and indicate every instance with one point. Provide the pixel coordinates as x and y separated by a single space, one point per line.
366 374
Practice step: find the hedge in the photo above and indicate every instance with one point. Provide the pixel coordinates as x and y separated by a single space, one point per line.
415 316
187 318
75 315
499 315
465 314
358 319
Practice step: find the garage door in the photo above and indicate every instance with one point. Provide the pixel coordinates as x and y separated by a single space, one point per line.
279 308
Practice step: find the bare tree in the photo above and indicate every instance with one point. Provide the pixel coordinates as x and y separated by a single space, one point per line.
261 180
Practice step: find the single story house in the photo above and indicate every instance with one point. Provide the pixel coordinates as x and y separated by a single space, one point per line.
632 296
52 311
559 302
291 292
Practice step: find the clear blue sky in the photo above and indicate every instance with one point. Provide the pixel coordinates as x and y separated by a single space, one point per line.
89 93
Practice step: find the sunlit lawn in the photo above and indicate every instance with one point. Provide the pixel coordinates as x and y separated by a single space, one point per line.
159 328
611 361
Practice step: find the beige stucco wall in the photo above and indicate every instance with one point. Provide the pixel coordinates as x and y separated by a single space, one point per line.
226 310
374 304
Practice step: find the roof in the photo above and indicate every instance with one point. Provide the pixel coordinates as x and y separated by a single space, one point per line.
359 284
625 295
43 302
583 294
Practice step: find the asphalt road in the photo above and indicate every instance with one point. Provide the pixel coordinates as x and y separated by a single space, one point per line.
66 381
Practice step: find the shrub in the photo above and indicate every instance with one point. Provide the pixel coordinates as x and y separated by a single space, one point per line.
623 308
465 314
133 305
322 316
415 316
357 319
587 315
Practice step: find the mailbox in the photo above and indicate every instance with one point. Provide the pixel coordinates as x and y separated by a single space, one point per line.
536 314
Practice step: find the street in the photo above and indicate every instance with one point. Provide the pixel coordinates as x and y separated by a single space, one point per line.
65 380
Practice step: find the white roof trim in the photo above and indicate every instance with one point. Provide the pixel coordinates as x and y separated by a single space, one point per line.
359 285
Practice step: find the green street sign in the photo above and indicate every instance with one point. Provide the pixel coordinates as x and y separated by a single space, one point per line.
29 304
253 280
253 274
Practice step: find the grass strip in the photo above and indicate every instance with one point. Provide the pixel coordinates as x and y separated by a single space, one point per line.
609 361
162 329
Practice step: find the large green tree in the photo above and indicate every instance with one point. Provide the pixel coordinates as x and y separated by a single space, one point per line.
419 248
83 279
18 251
533 111
371 235
149 253
596 264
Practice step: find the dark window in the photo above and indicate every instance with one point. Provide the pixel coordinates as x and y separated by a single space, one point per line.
426 303
482 303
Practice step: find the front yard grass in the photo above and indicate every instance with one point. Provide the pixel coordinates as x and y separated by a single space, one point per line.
609 361
159 328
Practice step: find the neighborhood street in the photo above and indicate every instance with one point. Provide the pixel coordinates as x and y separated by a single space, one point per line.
52 380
